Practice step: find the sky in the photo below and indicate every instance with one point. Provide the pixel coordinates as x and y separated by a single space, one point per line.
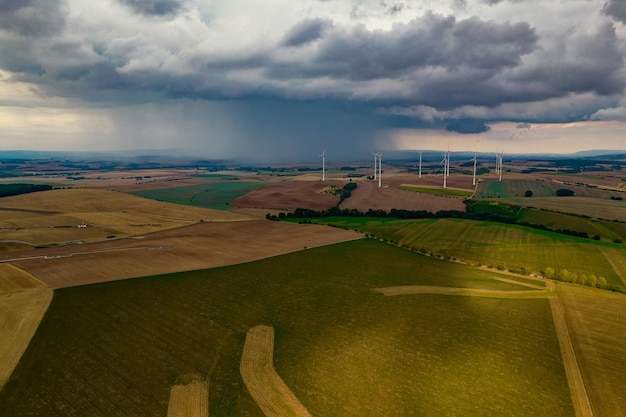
283 80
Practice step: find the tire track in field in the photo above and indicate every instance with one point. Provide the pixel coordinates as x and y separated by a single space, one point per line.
575 381
266 387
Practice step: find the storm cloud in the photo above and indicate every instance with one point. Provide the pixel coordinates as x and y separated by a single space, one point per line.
458 67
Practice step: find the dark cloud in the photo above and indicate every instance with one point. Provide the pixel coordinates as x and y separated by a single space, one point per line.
467 126
306 32
616 9
586 61
431 41
32 17
154 7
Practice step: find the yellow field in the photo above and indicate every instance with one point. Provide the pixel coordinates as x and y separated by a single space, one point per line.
59 216
23 302
267 388
189 398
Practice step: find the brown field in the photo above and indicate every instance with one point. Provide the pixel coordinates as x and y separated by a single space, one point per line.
460 181
267 388
290 195
596 321
203 245
23 302
368 195
189 398
53 217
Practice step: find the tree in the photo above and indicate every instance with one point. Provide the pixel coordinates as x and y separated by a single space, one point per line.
564 192
528 193
593 280
548 273
565 275
601 282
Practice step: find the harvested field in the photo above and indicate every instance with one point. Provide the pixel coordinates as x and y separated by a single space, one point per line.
189 398
596 321
204 245
267 388
368 195
93 215
290 195
23 302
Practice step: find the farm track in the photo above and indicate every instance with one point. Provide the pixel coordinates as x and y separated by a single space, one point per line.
572 370
470 292
267 388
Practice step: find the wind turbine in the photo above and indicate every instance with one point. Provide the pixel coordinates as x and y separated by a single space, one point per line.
500 163
380 169
323 156
474 179
375 156
444 161
420 170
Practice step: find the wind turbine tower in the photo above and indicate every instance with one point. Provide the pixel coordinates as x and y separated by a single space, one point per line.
420 169
500 165
474 179
380 169
445 168
323 156
375 158
448 164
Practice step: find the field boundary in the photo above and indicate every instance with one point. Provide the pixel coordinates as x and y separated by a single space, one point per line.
265 386
470 292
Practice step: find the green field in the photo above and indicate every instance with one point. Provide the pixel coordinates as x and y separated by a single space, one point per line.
115 349
498 245
437 191
215 195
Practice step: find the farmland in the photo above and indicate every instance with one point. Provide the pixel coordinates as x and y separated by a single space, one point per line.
214 195
426 355
338 325
488 243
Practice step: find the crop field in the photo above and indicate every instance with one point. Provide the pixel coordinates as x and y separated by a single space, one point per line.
597 323
23 302
214 195
495 244
203 245
55 216
342 349
303 191
436 190
512 188
605 229
368 195
584 206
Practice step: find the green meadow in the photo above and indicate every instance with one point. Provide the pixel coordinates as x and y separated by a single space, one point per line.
506 246
115 349
215 195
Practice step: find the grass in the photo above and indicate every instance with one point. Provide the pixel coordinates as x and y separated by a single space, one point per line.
554 220
517 188
495 244
215 195
437 191
115 349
